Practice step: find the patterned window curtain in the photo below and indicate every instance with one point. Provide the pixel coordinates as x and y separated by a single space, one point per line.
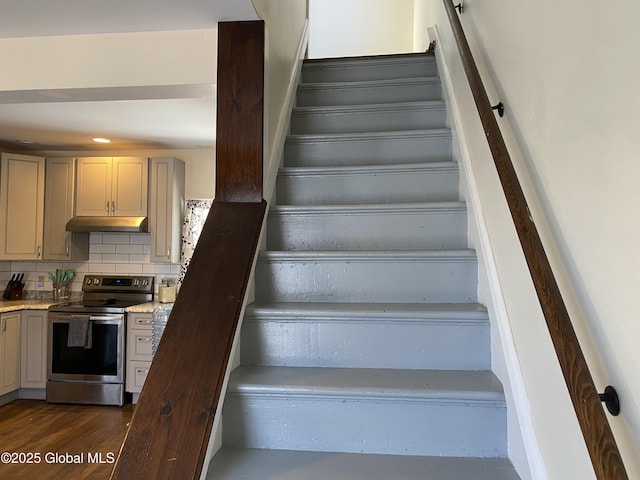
195 214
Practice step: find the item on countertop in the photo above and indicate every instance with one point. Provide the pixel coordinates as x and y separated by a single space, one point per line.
61 282
62 277
13 291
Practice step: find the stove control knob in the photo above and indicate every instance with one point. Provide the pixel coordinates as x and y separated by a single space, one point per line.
145 282
136 282
88 281
96 281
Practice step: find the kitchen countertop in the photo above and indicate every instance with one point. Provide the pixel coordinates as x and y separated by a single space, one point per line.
145 307
14 305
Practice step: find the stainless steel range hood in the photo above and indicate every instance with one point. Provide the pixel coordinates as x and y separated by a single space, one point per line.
108 224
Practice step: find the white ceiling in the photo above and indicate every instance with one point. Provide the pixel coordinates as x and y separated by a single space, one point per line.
166 117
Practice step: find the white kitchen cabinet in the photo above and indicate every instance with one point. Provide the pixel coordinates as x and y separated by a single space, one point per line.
9 352
139 353
59 194
33 365
21 207
108 186
166 205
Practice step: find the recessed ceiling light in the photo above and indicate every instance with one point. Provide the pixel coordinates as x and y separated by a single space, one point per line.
101 140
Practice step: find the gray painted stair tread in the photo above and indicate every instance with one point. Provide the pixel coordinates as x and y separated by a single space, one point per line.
369 91
368 169
462 255
436 385
368 208
257 464
472 311
359 136
367 148
392 82
358 184
401 106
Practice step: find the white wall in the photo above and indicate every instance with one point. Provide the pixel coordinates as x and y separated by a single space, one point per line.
572 128
342 28
109 60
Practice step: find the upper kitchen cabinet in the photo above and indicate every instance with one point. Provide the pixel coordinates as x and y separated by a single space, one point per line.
112 186
21 207
59 193
166 202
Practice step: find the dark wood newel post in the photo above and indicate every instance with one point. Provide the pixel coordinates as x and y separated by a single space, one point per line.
171 427
240 107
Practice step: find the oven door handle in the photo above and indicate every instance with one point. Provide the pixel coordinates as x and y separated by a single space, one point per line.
105 317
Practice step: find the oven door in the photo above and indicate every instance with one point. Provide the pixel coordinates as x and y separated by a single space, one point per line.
102 362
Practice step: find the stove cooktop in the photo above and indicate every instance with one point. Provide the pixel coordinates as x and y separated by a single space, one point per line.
109 294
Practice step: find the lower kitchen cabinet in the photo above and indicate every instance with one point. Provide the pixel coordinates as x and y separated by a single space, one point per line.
34 349
139 353
9 352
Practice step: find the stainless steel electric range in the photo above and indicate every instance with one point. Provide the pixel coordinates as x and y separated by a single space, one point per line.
86 361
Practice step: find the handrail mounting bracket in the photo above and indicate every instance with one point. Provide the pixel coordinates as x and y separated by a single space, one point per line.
611 400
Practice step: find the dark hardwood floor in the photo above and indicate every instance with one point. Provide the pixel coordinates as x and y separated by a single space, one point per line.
62 441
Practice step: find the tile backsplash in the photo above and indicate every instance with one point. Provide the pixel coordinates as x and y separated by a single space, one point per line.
109 254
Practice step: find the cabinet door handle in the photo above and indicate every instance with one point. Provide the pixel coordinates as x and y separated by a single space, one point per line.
39 251
4 325
168 253
107 207
145 339
143 322
142 371
66 249
113 206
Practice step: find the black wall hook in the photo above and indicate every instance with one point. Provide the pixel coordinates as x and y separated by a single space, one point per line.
459 6
611 400
500 108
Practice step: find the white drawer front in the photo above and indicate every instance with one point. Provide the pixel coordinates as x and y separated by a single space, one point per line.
141 345
136 375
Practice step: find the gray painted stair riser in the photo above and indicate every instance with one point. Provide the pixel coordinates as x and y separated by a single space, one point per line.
369 69
361 426
369 118
368 148
414 277
410 412
369 92
368 227
352 341
436 182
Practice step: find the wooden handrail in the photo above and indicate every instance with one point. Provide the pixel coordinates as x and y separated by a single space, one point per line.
600 442
171 427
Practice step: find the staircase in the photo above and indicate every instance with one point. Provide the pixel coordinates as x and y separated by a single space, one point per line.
366 354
